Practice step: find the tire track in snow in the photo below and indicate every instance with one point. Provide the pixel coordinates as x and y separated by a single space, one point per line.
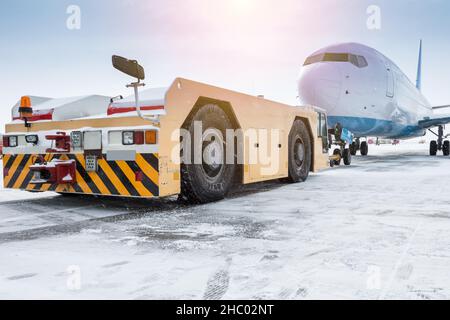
218 282
400 262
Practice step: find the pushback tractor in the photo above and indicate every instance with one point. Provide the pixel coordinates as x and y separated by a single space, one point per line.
191 139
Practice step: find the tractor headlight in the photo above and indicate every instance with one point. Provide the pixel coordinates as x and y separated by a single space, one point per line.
32 139
128 137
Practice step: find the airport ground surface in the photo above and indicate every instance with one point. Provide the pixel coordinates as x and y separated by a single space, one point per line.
377 229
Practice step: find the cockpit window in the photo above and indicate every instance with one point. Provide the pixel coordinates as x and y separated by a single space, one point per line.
362 62
313 59
358 61
337 57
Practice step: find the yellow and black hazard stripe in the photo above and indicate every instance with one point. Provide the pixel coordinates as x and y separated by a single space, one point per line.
139 178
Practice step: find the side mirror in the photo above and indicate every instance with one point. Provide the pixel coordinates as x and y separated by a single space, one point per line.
129 67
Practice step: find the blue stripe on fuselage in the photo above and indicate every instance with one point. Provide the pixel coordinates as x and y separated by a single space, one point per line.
366 127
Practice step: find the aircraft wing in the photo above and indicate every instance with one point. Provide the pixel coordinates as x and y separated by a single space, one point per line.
441 107
436 120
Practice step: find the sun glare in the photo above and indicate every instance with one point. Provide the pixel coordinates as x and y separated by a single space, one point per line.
242 5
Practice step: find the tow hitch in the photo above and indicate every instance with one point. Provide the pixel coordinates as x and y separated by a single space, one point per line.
62 142
55 171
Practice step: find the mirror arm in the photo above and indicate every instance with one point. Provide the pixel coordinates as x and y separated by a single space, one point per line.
135 86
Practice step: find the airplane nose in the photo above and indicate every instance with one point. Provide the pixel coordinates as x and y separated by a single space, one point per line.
320 85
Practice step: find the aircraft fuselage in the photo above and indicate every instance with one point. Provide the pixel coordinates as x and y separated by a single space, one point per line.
364 91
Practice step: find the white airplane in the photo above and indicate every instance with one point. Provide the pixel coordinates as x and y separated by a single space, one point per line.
367 93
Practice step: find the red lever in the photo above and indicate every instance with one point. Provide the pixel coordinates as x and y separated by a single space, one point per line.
62 142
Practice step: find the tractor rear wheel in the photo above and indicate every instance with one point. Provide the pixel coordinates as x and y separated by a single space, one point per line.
299 152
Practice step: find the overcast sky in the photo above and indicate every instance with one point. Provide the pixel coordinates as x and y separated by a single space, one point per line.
254 46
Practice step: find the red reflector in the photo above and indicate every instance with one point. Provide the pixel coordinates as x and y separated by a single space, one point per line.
6 141
139 175
5 172
139 137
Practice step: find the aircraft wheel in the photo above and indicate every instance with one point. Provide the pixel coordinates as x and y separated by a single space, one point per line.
364 148
353 149
347 157
335 153
433 148
331 163
446 148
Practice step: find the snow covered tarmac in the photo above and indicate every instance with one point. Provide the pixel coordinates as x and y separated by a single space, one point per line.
377 229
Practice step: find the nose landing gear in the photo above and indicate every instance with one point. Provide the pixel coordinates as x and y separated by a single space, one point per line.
439 144
342 138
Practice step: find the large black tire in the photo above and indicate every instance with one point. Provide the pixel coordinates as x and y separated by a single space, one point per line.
364 148
202 183
353 149
299 153
433 148
347 157
446 148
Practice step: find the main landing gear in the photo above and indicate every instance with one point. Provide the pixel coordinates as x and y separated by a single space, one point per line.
439 144
362 147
